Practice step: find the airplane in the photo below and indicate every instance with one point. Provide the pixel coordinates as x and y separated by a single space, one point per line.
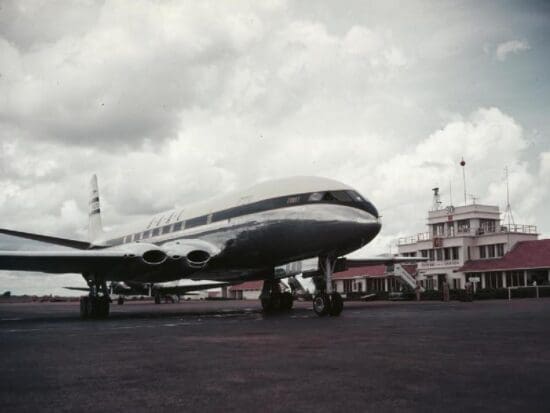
240 236
164 291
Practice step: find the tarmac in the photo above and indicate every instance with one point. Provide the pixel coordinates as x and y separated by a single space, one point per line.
228 356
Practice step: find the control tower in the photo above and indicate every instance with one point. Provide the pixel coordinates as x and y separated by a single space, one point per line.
459 234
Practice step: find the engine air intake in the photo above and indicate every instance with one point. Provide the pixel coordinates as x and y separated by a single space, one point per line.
154 257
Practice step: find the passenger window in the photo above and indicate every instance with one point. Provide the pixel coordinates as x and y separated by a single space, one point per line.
137 237
145 235
155 232
177 226
166 229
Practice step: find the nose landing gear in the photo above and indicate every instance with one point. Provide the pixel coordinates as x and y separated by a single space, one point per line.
327 302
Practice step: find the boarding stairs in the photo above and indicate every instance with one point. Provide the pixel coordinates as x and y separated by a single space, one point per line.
398 271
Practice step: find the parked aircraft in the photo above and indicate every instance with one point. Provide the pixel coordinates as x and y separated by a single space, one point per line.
241 236
164 291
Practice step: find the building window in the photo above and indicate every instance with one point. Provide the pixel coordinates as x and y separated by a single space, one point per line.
514 278
439 230
454 251
430 255
463 225
450 229
347 286
424 253
500 250
491 251
493 280
447 252
457 283
482 251
439 253
429 283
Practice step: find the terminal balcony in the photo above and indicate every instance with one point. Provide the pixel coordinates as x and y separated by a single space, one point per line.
465 232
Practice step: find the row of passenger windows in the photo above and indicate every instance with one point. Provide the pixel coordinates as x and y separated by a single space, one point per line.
333 196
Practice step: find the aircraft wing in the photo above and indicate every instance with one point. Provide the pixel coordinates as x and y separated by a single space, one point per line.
183 257
64 261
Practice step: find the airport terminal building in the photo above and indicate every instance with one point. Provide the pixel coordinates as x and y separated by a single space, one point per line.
470 243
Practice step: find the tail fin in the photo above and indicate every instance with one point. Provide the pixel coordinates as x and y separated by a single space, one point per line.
95 228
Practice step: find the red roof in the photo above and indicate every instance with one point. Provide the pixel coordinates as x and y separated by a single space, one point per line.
248 285
525 254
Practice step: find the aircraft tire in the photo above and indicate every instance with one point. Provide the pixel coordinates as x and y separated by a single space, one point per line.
84 314
287 301
336 304
321 304
102 307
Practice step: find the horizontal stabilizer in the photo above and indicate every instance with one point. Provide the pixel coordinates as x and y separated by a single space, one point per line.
77 288
82 245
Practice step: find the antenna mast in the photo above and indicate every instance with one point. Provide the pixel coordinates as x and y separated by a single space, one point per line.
436 200
508 216
463 164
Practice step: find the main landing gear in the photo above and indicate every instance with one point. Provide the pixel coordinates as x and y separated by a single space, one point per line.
273 299
327 302
96 304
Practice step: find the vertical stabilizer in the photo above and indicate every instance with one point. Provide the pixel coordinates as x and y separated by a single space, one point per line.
95 228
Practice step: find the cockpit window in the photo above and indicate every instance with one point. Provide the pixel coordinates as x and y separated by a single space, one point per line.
356 196
342 196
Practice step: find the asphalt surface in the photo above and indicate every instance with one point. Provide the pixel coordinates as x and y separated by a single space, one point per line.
226 356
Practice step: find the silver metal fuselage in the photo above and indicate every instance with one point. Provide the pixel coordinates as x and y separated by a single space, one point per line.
252 245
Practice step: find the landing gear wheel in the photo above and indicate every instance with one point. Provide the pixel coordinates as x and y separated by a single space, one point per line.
276 301
103 305
120 300
336 304
321 304
287 300
84 313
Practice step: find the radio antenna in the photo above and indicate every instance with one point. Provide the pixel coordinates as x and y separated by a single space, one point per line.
508 216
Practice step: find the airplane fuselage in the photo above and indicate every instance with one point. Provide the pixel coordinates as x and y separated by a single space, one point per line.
255 230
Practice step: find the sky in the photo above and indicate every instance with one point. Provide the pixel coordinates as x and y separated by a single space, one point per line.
173 102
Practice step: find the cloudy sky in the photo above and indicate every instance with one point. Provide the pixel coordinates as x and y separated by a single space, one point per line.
172 102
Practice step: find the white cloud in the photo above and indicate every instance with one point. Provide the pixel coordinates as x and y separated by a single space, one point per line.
511 47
